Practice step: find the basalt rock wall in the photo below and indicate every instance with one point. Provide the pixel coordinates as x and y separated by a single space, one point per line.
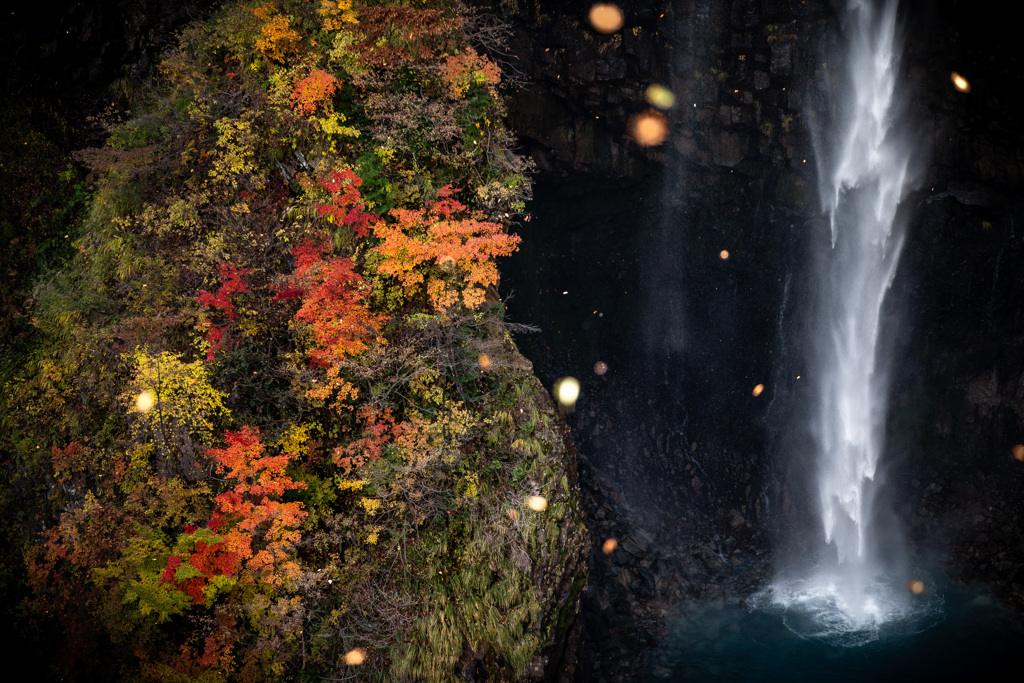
676 455
750 80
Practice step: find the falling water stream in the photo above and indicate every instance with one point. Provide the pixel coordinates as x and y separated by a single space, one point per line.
855 589
863 190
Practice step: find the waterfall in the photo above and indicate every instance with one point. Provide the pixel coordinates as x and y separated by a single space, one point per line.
862 181
863 161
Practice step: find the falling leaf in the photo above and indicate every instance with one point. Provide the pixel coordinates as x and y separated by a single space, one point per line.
145 401
959 82
537 503
606 18
649 128
567 390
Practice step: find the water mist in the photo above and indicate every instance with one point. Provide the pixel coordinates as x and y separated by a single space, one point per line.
863 163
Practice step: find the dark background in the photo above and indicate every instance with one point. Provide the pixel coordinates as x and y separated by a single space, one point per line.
701 482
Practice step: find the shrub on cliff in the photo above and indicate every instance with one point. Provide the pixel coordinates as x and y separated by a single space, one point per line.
277 417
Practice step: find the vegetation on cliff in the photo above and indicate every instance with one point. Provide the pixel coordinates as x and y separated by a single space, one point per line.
270 423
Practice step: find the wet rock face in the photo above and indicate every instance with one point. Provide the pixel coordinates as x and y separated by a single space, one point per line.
957 405
958 390
671 441
747 76
736 69
665 445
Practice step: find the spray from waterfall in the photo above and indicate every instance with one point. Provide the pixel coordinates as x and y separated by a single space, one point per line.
863 161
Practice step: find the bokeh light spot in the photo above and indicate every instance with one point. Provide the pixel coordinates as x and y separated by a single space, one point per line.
567 390
485 361
659 96
916 586
724 254
758 389
1018 452
606 17
537 503
355 657
609 546
145 401
959 82
649 128
600 367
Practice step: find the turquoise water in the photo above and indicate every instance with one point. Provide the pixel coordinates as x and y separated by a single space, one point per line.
969 638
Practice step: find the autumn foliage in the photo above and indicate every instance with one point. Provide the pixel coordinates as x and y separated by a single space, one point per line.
462 70
231 283
191 574
333 304
379 430
277 38
221 301
441 250
336 14
312 90
346 206
204 509
259 529
420 33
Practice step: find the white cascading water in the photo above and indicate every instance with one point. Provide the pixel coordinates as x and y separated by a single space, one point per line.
861 193
848 598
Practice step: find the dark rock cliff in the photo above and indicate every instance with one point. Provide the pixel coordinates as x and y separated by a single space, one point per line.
82 44
675 454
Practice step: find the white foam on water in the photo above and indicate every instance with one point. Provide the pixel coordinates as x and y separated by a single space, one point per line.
826 609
